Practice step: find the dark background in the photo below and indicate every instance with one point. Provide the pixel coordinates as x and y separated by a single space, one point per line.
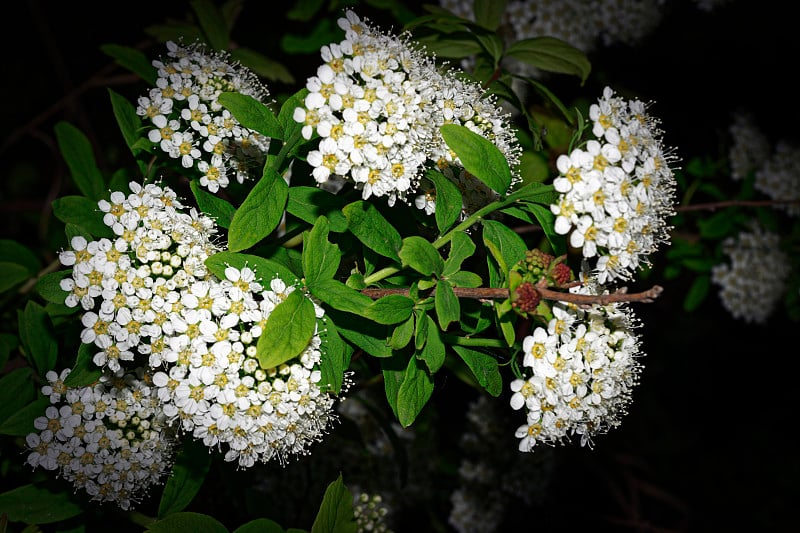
708 444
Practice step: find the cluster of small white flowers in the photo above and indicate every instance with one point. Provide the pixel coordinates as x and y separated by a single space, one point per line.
779 177
578 373
370 513
189 122
109 439
750 148
617 193
214 386
377 104
128 286
753 280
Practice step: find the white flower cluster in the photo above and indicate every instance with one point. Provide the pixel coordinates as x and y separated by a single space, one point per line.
192 126
578 373
617 192
148 299
377 105
128 286
750 148
214 386
779 177
109 439
753 280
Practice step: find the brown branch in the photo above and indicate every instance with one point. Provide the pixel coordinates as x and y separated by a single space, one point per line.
492 293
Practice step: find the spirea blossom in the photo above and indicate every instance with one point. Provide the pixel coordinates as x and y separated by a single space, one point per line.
578 373
616 191
376 105
109 439
189 123
753 278
127 286
213 385
750 148
779 177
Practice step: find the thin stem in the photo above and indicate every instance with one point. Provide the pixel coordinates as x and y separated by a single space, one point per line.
473 341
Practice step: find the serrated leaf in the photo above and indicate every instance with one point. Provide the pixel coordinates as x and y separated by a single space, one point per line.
448 308
127 120
335 513
132 59
340 296
372 229
552 55
82 212
79 155
309 203
320 257
220 210
34 504
461 247
192 462
419 254
260 213
287 331
212 23
265 269
414 392
252 114
449 201
11 275
390 309
187 522
480 157
484 367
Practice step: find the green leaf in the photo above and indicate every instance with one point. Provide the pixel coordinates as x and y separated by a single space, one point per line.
464 279
335 357
21 423
448 308
461 247
292 130
11 275
82 212
506 246
84 372
134 60
414 392
363 334
211 23
541 215
128 121
697 293
489 13
79 155
552 55
192 462
455 45
449 201
265 67
260 525
402 334
335 513
717 225
21 255
36 333
419 254
16 391
484 368
287 331
265 269
372 229
340 296
260 213
34 504
433 352
310 203
49 286
420 328
323 33
320 257
212 205
187 523
252 114
480 157
390 309
304 9
8 342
